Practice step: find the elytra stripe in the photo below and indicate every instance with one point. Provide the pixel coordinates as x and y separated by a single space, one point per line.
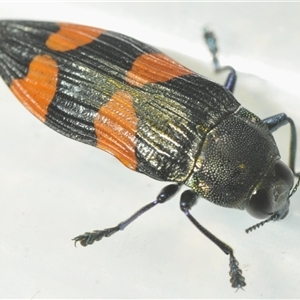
154 67
37 89
116 127
72 36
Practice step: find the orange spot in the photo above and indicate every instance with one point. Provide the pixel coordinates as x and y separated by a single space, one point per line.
72 36
38 88
154 67
116 126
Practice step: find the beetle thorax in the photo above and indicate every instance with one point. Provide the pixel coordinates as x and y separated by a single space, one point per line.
234 157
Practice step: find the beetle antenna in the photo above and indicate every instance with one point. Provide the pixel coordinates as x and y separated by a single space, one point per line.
272 218
275 215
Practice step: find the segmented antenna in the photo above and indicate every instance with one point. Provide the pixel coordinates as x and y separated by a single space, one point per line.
272 218
275 215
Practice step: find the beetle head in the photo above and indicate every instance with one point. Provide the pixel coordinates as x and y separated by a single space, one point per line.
271 197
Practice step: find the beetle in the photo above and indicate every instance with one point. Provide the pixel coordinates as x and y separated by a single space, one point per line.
156 116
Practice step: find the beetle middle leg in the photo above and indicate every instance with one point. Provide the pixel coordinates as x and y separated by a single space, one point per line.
89 238
189 199
274 122
211 42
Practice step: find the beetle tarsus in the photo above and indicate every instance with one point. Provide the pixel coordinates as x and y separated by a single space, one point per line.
237 280
89 238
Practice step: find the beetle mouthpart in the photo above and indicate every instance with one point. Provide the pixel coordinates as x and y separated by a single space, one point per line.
272 218
296 186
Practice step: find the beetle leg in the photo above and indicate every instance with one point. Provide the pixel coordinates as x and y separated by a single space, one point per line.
211 42
277 121
231 80
187 200
89 238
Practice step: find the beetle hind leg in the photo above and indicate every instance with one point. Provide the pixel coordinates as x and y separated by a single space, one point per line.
89 238
189 199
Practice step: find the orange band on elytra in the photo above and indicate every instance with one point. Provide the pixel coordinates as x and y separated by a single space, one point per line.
38 88
116 126
72 36
154 67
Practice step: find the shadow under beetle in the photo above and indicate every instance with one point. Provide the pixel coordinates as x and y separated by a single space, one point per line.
157 117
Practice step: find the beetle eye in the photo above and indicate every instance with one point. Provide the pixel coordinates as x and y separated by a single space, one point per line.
285 173
260 205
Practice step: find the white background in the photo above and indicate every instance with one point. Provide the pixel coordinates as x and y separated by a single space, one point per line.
53 188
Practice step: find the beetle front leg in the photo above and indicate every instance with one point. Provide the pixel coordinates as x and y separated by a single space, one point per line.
187 200
277 121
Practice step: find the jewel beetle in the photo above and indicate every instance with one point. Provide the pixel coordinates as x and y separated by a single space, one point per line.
156 116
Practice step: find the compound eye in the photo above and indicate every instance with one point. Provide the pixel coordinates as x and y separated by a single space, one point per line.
284 173
260 205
